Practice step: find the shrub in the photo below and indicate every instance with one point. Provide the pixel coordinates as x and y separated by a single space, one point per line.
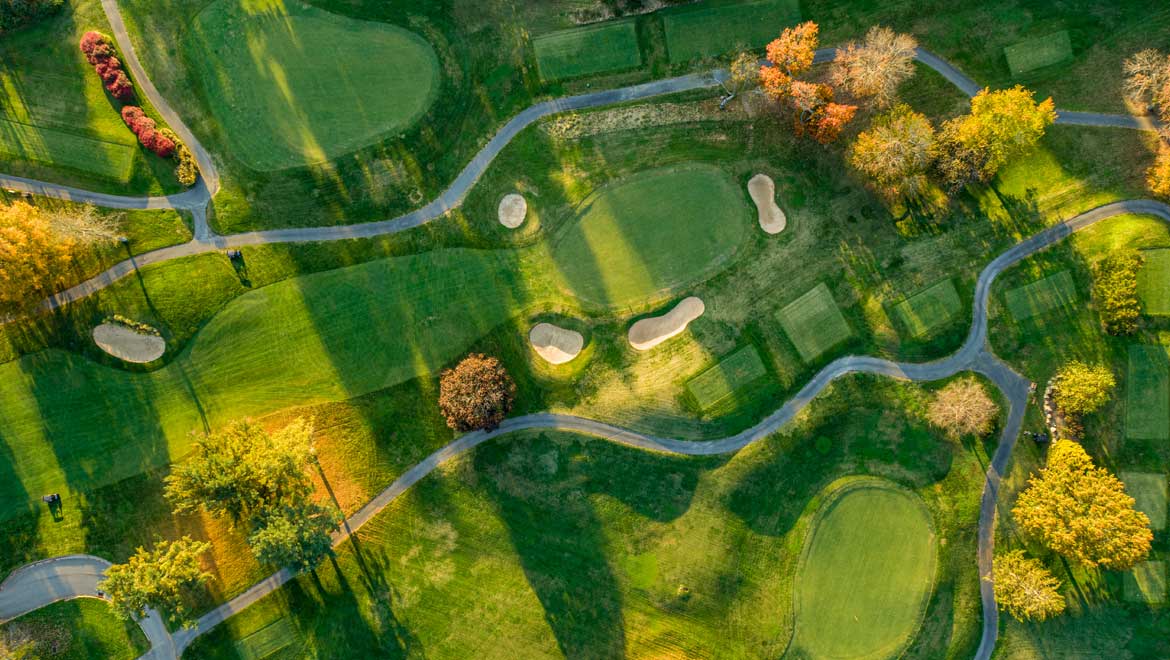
1115 288
477 394
100 53
185 169
160 141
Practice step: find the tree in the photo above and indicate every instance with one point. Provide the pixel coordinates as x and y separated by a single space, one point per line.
1115 290
963 408
295 535
1083 512
240 470
793 52
477 394
1158 176
814 112
156 579
894 154
33 258
1024 588
744 72
18 13
875 68
1083 388
1147 79
1002 124
84 225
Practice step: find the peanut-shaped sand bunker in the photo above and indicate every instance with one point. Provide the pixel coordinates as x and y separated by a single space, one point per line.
763 192
127 344
555 344
648 333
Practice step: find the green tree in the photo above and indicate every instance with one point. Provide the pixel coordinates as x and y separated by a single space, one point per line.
1115 289
1083 512
242 469
295 535
1002 124
156 579
1083 388
1024 588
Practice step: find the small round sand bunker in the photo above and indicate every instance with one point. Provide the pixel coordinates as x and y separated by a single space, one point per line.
648 333
555 344
513 209
127 344
763 192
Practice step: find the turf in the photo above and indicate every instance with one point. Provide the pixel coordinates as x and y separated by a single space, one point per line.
600 48
642 237
930 309
1149 491
813 323
1146 583
48 146
1038 52
78 629
1147 394
700 31
1154 282
723 380
296 85
866 574
267 641
1041 296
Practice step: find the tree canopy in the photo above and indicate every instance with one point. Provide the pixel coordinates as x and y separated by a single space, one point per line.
895 153
295 535
876 67
156 579
477 394
1115 290
33 257
815 113
963 407
1083 512
1158 176
1083 388
1024 588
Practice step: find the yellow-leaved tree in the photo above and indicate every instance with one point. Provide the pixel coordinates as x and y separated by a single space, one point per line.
33 257
1082 511
1024 588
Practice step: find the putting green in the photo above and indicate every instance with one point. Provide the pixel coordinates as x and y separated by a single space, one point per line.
292 84
647 235
865 575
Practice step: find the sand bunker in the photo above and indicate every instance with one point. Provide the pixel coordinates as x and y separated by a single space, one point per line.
763 192
648 333
512 210
555 344
129 345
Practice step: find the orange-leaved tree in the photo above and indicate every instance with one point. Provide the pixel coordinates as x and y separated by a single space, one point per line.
33 257
815 112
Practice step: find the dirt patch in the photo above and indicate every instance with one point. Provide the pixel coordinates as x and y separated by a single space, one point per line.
127 344
555 344
513 209
648 333
763 192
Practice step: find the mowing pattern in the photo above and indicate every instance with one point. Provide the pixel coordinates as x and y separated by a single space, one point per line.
813 323
866 574
732 374
111 160
1147 394
294 84
588 50
930 309
704 31
1038 52
267 641
1041 296
642 237
1149 489
1146 583
1154 282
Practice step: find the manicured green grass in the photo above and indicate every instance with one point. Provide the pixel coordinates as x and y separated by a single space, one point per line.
1149 489
47 146
712 29
1147 394
814 323
866 574
1146 583
732 374
295 85
583 51
80 629
56 121
268 640
643 236
1038 52
1042 296
1154 283
930 309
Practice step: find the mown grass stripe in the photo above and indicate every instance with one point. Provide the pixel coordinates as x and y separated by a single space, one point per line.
1038 52
1147 394
929 309
729 376
1041 296
110 160
1154 282
588 50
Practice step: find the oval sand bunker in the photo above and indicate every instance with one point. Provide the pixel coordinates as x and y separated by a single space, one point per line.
126 344
763 192
555 344
648 333
513 208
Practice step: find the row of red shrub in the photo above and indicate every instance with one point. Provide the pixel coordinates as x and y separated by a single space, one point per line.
146 130
100 54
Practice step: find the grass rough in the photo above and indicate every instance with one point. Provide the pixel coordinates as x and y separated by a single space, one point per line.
593 49
814 323
710 30
1146 583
